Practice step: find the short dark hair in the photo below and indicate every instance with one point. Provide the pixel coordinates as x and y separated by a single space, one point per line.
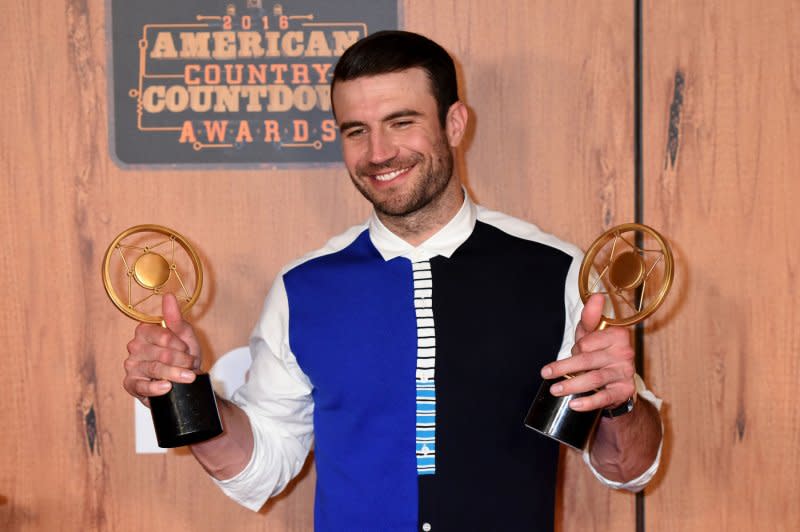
392 51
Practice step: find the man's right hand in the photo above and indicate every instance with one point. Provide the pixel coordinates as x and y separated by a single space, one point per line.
158 356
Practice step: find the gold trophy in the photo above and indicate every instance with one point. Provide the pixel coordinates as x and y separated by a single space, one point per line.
143 263
635 278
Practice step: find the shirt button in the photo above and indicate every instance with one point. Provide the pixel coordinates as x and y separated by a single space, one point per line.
426 527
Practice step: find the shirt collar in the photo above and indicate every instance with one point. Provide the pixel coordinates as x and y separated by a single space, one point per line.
443 242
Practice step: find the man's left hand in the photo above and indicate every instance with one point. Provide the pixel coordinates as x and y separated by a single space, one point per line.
602 360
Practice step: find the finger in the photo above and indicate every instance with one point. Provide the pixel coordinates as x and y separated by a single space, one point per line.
609 397
157 335
591 315
615 340
175 323
144 388
143 352
608 377
154 369
576 364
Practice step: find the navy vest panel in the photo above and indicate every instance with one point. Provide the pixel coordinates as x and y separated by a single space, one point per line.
352 329
498 302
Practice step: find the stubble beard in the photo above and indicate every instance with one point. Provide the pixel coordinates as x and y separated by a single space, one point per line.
430 185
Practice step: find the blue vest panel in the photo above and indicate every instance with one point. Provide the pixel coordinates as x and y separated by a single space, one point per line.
352 329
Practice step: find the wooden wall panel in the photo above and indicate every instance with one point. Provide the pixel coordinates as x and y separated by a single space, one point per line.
550 88
724 353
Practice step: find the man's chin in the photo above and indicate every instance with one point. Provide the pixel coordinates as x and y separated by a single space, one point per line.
388 202
397 208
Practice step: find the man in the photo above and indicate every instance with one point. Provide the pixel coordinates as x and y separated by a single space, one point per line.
409 348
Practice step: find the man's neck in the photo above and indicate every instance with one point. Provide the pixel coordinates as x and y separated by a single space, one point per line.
417 227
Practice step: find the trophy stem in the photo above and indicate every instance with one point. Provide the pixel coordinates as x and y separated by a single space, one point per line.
187 414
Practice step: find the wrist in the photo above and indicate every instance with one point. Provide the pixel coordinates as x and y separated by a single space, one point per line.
625 408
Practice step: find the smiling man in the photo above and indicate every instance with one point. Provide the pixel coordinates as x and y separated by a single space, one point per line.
409 348
398 151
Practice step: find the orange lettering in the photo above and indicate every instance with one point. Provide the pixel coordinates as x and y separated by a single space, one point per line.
244 132
257 74
271 133
234 80
188 71
215 129
322 71
328 131
300 74
187 133
300 130
278 69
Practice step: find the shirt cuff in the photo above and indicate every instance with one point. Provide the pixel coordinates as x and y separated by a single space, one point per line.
239 487
269 470
638 483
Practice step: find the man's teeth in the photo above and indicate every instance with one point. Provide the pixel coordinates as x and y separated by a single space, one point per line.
390 175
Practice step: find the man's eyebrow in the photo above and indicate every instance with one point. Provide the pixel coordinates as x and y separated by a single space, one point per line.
403 113
350 124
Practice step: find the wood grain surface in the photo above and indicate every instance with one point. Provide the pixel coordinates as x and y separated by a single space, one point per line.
550 88
722 119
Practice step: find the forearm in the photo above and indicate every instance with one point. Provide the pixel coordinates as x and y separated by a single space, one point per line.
625 447
227 455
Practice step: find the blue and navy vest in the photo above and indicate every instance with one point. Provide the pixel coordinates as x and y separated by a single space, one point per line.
422 375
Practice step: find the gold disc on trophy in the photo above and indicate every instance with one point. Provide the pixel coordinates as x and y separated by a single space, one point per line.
151 270
146 261
632 265
627 270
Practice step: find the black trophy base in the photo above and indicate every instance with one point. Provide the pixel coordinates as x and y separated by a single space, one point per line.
552 416
187 414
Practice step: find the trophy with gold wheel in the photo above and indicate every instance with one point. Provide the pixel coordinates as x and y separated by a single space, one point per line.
632 265
141 264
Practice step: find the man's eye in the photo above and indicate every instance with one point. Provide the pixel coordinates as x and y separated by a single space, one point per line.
402 123
353 133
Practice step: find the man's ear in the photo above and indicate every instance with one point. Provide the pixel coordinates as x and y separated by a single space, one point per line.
456 123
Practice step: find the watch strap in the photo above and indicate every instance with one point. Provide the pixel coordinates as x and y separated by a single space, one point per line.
621 410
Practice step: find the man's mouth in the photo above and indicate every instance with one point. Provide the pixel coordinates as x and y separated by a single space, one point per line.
388 176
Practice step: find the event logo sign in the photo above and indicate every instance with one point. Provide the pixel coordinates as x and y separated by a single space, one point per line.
232 82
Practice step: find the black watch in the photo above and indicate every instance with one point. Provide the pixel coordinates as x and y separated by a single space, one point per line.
621 410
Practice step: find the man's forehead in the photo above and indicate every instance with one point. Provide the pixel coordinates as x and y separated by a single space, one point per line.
412 76
365 92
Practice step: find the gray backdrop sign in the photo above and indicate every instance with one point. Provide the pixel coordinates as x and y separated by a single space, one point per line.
242 81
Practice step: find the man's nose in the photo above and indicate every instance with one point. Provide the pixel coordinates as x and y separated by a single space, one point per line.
381 147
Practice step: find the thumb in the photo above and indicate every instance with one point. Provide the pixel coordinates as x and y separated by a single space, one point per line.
173 320
171 311
591 315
